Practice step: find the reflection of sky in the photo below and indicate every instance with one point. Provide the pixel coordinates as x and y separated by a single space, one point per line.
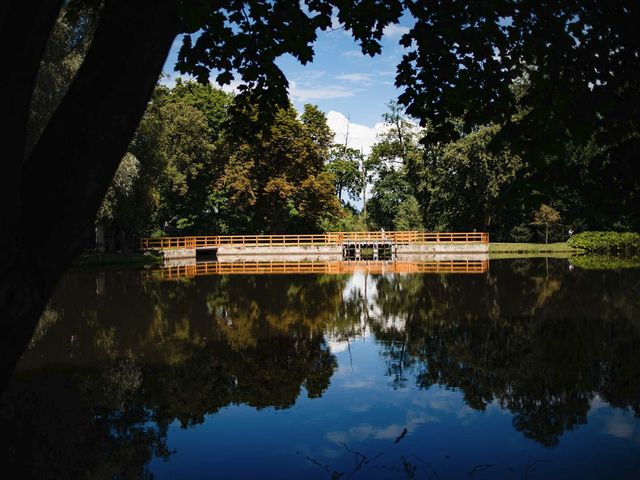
361 416
363 286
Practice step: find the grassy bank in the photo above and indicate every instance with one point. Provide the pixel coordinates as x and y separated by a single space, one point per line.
532 248
117 260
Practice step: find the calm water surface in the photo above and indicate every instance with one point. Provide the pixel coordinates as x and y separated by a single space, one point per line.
530 369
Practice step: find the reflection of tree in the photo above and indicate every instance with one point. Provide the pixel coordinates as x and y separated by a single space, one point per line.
57 431
161 351
518 337
122 365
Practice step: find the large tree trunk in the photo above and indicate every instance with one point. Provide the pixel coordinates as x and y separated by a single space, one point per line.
59 187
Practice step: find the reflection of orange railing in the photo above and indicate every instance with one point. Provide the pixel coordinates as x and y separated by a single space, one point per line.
331 238
224 268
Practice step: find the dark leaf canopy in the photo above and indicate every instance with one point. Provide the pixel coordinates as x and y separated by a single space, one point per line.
245 38
579 62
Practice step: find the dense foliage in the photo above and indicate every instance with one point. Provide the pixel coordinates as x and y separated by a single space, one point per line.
483 181
192 170
607 242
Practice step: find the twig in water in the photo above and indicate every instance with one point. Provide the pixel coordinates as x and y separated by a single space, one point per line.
531 467
479 468
335 475
404 432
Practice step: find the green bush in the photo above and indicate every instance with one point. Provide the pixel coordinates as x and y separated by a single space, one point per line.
610 242
521 234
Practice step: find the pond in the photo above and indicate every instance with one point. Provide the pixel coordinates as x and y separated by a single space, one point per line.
526 368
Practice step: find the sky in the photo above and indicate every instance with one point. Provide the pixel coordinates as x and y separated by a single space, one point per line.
350 88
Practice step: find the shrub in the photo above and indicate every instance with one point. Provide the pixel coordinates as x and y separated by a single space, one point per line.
610 242
521 234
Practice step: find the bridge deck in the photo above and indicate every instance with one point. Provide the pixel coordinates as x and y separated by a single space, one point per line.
330 238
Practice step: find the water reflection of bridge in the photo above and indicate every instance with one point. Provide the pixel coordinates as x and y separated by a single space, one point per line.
306 267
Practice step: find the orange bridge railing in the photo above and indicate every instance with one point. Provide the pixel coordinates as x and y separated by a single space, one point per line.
330 238
302 267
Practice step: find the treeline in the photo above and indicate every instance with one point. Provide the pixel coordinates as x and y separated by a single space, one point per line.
193 168
196 167
489 181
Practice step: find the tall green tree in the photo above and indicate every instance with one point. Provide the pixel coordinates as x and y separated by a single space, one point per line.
408 216
393 161
175 146
466 181
118 214
278 182
344 164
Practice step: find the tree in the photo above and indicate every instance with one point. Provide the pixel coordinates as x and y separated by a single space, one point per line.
461 62
115 213
186 151
575 56
579 63
408 216
390 190
277 181
465 182
546 216
392 162
344 164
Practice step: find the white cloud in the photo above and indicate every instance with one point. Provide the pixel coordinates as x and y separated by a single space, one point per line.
353 54
230 88
362 78
395 30
304 94
361 137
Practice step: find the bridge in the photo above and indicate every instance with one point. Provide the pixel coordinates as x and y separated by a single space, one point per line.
374 245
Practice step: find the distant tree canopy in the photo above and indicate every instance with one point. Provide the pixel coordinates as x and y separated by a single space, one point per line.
196 173
483 180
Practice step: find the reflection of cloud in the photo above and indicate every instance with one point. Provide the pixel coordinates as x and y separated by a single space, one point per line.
366 431
364 383
620 426
364 407
356 284
597 403
337 437
337 346
415 419
441 404
444 401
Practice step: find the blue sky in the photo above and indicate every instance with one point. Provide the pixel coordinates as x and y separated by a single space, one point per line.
342 82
